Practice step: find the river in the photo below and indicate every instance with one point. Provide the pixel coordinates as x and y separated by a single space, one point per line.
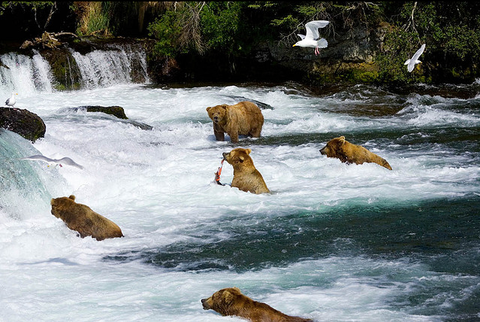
331 242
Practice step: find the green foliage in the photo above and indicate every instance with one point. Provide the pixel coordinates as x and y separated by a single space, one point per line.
98 21
232 29
33 4
310 10
167 30
462 42
288 21
399 45
220 24
94 19
450 31
199 27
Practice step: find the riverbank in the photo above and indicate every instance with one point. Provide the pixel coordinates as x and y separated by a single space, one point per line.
71 65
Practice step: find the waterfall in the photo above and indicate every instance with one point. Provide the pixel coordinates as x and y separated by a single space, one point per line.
24 74
101 68
116 64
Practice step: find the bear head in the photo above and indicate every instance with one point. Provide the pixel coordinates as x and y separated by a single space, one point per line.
60 205
218 113
333 149
225 301
239 158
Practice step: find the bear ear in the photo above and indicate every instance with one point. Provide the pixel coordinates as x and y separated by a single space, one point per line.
72 197
208 108
242 158
248 151
236 289
224 106
228 297
342 139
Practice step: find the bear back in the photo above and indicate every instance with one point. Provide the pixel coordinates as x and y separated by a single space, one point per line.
83 219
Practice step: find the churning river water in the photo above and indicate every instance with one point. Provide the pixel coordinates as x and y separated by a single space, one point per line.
331 242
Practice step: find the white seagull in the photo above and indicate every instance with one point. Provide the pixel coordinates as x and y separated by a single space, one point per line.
65 160
414 60
311 38
11 101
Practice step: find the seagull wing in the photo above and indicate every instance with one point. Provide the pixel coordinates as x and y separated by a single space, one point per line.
11 101
68 161
39 158
418 53
411 66
301 36
322 43
414 59
312 28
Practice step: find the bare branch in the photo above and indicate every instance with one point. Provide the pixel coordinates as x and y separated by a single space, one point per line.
53 9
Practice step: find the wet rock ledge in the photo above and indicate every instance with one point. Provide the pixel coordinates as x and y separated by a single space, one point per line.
23 122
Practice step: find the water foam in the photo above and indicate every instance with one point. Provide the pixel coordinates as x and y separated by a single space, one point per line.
25 75
157 186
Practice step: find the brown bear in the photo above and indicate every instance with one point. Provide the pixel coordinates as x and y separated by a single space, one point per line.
245 176
84 220
351 153
244 118
230 301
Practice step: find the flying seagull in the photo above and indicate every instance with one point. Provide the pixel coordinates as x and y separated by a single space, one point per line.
311 39
11 101
414 60
65 160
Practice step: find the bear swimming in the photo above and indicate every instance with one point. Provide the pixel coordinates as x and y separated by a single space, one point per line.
245 176
230 301
351 153
244 118
84 220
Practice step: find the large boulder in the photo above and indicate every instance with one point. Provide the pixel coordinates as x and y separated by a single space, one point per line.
23 122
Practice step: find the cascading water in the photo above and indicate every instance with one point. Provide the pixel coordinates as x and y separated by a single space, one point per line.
101 68
22 180
24 74
115 65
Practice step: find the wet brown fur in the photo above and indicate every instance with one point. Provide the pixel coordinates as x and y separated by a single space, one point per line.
230 301
351 153
244 118
245 176
84 220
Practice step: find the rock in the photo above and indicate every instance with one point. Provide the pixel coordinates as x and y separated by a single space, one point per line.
23 122
116 111
48 40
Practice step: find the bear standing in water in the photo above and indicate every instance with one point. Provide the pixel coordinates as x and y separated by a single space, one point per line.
244 118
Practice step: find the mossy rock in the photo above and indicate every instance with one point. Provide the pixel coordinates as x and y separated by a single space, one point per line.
116 111
23 122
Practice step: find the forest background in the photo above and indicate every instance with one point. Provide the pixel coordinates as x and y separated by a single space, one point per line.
252 40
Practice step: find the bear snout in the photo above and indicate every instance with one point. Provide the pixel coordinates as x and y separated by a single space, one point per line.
225 155
215 119
205 304
322 151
